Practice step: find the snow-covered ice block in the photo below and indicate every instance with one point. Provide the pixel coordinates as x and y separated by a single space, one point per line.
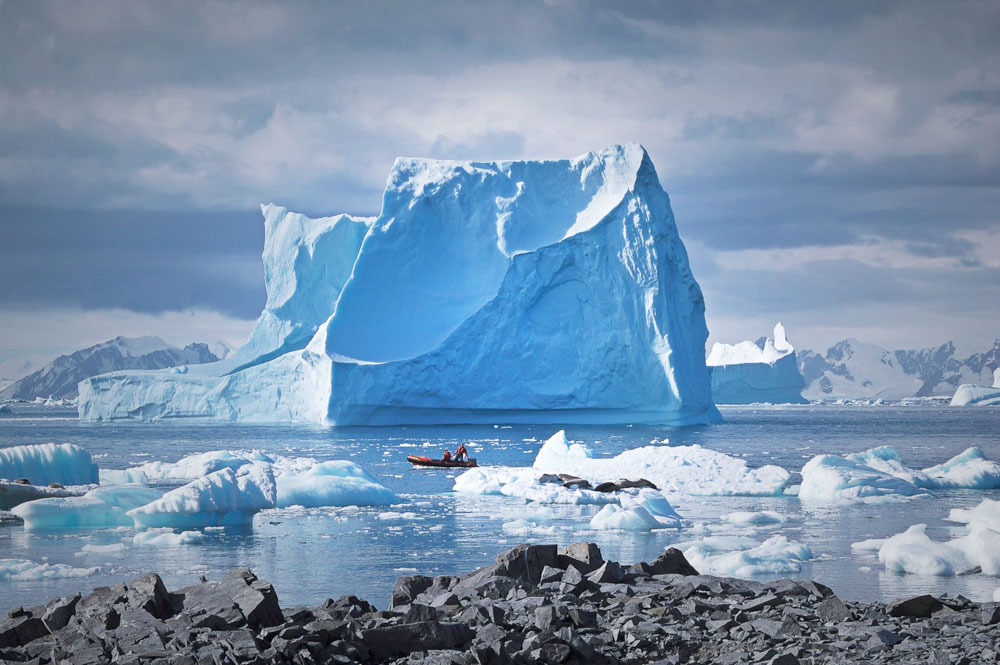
222 498
334 483
967 470
23 569
690 470
104 507
745 557
523 483
64 463
985 515
615 518
914 552
166 538
527 291
833 478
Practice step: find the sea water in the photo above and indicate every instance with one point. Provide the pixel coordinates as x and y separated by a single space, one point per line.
312 554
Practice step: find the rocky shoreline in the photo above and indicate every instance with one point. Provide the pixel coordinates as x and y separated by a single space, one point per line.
535 604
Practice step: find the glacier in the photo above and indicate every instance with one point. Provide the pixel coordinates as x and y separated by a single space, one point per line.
483 292
755 372
969 394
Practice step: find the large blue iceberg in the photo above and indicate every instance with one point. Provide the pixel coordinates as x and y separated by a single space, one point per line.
484 292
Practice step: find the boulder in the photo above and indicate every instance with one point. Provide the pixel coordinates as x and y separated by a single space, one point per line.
672 562
584 556
917 606
386 642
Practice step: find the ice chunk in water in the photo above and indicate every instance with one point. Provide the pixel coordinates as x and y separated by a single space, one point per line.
334 483
222 498
64 463
104 507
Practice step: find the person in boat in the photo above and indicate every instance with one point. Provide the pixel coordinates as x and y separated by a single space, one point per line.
447 456
461 454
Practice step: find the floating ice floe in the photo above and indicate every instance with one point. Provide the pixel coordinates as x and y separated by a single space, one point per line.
201 464
23 569
879 474
833 478
914 552
166 538
104 507
615 518
761 518
745 557
334 483
690 470
103 550
63 463
985 515
222 498
869 545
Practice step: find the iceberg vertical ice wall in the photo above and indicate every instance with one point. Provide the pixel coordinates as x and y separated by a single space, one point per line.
750 372
484 292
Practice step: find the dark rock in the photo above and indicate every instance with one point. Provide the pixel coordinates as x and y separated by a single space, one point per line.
918 606
884 639
395 641
98 607
526 562
21 630
609 573
419 612
408 588
149 594
991 615
584 556
832 610
59 611
672 562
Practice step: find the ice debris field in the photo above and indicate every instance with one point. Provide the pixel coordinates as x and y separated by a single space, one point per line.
222 488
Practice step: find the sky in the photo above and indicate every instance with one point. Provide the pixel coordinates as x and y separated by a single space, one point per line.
834 166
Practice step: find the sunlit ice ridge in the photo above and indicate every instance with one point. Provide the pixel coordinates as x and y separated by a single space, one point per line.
484 292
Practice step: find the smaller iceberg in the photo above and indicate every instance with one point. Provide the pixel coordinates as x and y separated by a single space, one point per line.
203 464
166 538
222 498
755 372
334 483
691 470
42 464
879 473
101 508
615 518
969 394
837 479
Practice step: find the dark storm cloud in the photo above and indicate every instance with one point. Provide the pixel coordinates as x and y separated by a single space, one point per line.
136 138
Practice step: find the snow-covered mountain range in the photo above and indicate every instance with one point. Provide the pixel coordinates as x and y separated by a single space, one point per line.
852 369
60 377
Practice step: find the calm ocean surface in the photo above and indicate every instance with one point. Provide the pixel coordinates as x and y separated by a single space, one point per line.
310 555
